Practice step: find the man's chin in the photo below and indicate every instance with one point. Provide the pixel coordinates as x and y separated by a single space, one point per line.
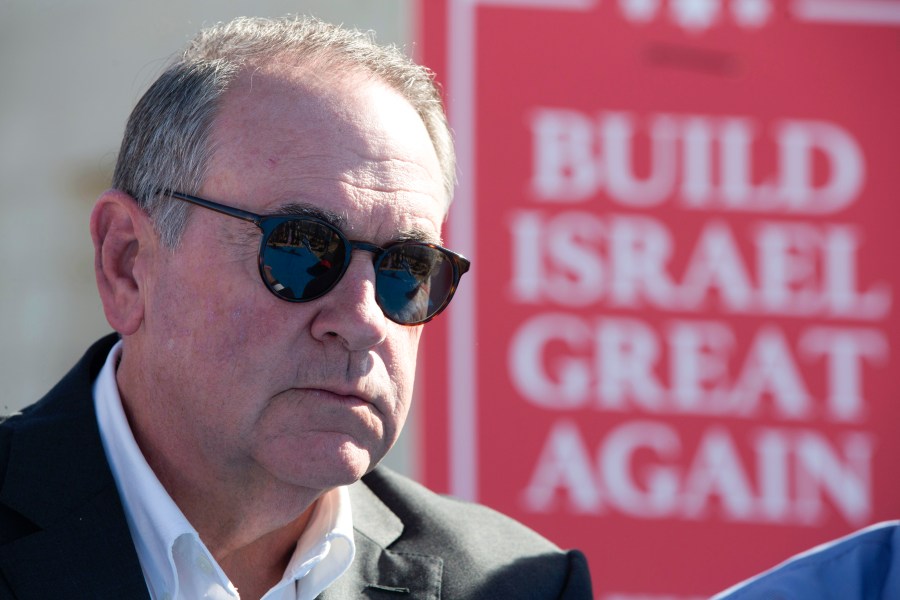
326 470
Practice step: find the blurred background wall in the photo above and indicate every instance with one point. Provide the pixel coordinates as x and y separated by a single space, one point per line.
70 73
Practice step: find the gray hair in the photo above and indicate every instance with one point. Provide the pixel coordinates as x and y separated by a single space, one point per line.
166 141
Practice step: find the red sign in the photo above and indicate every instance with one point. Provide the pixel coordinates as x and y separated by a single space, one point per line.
677 348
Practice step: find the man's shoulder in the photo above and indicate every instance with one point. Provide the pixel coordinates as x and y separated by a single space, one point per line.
481 549
864 564
67 398
58 438
62 525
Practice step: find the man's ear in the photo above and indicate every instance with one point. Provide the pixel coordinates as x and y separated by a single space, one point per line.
122 234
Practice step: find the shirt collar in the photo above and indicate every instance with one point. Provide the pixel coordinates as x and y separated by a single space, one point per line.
326 548
158 527
154 519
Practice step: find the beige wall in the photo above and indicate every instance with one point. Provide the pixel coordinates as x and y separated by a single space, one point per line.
70 72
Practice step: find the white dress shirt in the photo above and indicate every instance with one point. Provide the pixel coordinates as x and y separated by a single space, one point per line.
176 563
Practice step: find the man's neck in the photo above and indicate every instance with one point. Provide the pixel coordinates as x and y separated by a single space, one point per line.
252 535
250 526
255 568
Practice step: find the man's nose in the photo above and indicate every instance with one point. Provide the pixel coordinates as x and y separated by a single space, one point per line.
349 310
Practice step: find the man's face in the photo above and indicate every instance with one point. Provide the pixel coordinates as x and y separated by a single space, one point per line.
256 388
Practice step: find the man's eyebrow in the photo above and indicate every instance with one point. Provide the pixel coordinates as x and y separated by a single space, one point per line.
417 234
413 234
309 210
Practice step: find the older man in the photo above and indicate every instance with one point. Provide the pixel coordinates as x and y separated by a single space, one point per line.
268 254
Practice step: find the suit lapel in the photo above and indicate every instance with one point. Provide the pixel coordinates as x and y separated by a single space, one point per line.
378 572
82 546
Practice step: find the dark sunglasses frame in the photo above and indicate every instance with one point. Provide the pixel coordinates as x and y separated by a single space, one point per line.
269 223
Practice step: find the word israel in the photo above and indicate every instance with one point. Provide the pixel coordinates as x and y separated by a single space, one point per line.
581 259
704 162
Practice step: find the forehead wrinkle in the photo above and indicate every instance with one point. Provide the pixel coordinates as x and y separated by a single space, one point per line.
370 201
365 186
383 176
365 168
388 174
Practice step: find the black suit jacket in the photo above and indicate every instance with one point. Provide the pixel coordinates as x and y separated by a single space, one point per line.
63 532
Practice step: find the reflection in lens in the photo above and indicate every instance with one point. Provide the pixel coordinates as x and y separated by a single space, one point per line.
304 258
413 282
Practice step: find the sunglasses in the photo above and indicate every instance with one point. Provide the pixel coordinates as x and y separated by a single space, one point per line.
302 258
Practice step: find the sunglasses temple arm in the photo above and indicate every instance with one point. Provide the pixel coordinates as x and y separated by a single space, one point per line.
219 208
